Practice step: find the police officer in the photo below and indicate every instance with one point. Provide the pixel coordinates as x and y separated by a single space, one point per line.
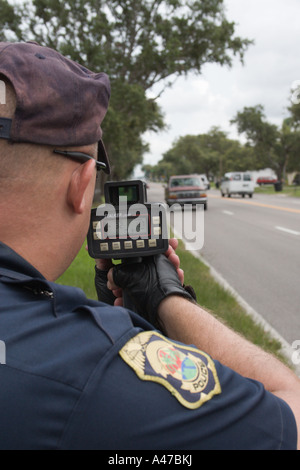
83 374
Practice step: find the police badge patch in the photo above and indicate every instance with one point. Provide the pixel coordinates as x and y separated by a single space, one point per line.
189 374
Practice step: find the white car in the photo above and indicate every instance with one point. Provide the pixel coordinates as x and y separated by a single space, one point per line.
237 183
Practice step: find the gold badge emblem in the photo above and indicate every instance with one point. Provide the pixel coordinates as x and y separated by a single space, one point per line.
189 374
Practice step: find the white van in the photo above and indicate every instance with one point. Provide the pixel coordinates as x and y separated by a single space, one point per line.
205 181
237 183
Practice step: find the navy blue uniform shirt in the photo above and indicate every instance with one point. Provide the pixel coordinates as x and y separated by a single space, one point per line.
79 374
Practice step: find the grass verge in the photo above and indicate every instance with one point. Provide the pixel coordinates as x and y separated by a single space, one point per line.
81 274
210 295
290 191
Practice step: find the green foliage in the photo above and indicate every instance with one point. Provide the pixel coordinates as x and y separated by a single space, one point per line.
274 146
290 146
138 43
212 154
129 116
294 110
81 274
9 22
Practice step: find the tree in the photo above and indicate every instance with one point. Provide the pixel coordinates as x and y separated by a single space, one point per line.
212 153
183 155
9 22
273 146
160 172
214 145
139 43
294 123
261 135
290 143
238 157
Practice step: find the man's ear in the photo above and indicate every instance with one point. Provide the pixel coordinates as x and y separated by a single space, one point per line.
79 184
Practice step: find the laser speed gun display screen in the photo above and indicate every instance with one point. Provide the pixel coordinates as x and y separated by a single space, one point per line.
114 193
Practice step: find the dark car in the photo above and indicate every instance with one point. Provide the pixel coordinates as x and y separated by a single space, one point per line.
186 189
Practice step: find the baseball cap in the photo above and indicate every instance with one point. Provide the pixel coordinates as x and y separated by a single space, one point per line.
59 102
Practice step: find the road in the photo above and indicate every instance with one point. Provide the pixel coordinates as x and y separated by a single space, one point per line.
255 245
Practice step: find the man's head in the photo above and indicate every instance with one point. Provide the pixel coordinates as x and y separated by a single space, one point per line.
59 102
51 103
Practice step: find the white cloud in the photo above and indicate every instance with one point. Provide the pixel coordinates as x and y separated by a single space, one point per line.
194 105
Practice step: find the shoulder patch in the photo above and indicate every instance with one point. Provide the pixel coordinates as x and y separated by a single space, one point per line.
189 374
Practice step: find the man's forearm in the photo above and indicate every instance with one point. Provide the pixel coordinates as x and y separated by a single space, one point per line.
189 323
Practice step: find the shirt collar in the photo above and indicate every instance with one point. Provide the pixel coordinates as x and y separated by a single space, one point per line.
16 270
12 261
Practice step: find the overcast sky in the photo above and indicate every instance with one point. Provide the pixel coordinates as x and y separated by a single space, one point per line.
196 104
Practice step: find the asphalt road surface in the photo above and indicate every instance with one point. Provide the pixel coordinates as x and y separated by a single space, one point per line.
255 245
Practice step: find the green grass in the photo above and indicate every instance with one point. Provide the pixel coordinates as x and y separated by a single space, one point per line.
291 191
210 295
81 274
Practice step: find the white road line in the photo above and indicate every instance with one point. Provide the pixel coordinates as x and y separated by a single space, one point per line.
228 213
287 230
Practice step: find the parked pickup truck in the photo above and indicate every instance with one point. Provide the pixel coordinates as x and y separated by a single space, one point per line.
186 189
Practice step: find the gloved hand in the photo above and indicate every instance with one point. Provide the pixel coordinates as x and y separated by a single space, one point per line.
104 294
149 282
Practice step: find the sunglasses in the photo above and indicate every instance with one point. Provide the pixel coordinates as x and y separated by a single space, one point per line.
81 158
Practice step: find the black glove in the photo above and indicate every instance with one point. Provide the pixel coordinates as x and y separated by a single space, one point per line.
147 283
104 294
